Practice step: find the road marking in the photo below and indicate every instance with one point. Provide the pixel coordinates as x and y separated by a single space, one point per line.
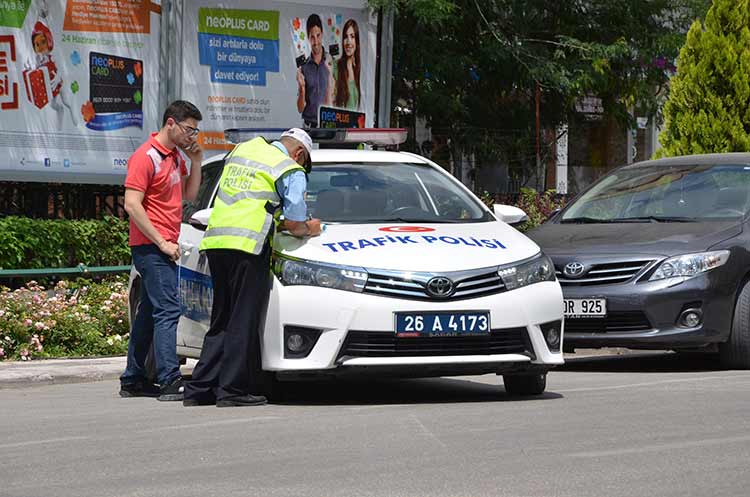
665 446
41 442
208 424
427 432
647 384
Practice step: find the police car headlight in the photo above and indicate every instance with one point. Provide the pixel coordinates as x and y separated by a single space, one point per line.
536 270
300 272
689 265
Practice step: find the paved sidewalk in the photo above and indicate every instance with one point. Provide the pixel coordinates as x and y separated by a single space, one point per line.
17 374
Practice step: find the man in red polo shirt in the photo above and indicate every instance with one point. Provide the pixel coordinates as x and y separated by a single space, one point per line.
157 182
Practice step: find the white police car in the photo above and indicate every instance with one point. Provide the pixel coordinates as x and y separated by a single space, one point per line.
413 276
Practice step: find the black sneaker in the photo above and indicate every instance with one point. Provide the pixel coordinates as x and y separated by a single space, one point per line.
139 389
173 391
241 401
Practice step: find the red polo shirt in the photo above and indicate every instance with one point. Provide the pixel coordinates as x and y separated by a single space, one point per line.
157 172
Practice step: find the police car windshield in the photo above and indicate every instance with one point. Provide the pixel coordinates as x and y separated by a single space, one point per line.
388 192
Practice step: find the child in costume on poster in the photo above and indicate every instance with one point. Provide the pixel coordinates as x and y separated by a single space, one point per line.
43 43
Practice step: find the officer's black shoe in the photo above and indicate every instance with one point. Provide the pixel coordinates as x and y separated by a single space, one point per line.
173 390
198 402
139 389
242 400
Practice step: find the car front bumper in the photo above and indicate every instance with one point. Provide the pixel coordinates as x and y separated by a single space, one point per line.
646 315
339 317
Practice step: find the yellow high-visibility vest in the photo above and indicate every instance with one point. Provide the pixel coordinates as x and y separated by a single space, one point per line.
240 219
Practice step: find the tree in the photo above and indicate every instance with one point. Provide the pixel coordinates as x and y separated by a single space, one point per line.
470 67
708 109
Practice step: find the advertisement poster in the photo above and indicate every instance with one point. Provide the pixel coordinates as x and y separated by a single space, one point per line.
260 64
78 87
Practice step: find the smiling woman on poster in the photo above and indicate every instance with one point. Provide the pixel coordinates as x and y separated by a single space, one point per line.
346 89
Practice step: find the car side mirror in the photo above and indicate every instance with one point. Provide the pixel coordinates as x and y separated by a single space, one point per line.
553 214
199 219
510 214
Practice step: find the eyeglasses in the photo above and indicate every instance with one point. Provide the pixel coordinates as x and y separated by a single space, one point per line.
191 130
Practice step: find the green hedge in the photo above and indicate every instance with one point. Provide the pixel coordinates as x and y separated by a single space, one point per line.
39 243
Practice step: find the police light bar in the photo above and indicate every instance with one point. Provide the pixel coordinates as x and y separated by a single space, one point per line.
370 136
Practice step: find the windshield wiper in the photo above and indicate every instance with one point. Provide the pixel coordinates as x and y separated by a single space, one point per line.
413 220
657 219
585 220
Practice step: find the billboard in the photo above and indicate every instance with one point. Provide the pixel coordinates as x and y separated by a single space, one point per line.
78 87
260 64
82 84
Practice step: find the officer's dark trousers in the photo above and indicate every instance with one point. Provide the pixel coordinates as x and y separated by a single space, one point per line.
230 364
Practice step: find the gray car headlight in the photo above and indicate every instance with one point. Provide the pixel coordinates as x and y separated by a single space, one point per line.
689 265
300 272
535 270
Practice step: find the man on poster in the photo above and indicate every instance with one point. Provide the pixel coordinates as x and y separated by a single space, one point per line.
313 76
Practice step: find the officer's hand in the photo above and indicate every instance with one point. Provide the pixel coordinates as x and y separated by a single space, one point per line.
300 79
314 226
171 249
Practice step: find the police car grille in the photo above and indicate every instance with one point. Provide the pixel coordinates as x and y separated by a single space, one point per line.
468 284
387 344
604 274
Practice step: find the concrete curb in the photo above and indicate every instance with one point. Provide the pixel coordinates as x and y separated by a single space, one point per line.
21 374
46 372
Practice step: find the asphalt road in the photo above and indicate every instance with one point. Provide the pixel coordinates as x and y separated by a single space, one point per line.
655 426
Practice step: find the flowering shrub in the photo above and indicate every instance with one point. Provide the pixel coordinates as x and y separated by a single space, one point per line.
537 206
80 318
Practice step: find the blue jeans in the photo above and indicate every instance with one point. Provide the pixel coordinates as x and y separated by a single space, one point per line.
156 317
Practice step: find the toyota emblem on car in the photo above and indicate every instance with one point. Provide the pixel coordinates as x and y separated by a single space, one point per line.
573 269
440 286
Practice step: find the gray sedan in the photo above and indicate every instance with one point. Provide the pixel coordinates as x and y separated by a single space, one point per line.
655 256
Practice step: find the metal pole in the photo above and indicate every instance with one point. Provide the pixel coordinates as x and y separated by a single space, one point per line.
538 98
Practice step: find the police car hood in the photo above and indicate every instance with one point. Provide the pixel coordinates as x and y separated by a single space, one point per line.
424 247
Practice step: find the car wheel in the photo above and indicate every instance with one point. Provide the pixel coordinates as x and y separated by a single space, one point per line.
525 384
271 387
735 352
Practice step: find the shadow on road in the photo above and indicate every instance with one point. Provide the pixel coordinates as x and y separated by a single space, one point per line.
403 391
661 362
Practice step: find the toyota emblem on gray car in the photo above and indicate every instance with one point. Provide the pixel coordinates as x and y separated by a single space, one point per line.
573 269
440 286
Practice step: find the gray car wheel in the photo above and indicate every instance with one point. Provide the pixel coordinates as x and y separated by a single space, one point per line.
525 384
735 352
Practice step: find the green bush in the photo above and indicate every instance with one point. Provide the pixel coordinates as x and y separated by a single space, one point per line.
39 243
75 319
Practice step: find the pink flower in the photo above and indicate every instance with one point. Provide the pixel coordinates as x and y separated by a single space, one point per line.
39 325
2 352
27 322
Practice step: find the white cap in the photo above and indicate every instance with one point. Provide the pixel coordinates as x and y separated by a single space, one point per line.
301 136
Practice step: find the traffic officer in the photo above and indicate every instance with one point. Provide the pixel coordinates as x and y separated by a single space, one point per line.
259 180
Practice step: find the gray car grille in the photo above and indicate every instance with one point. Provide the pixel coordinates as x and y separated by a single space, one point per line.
405 285
607 273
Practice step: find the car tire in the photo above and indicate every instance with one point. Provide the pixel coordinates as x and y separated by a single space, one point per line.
271 387
522 385
735 352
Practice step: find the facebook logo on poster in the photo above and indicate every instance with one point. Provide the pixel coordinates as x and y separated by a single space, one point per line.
66 162
47 162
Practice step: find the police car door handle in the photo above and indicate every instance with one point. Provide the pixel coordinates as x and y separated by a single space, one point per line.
186 248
